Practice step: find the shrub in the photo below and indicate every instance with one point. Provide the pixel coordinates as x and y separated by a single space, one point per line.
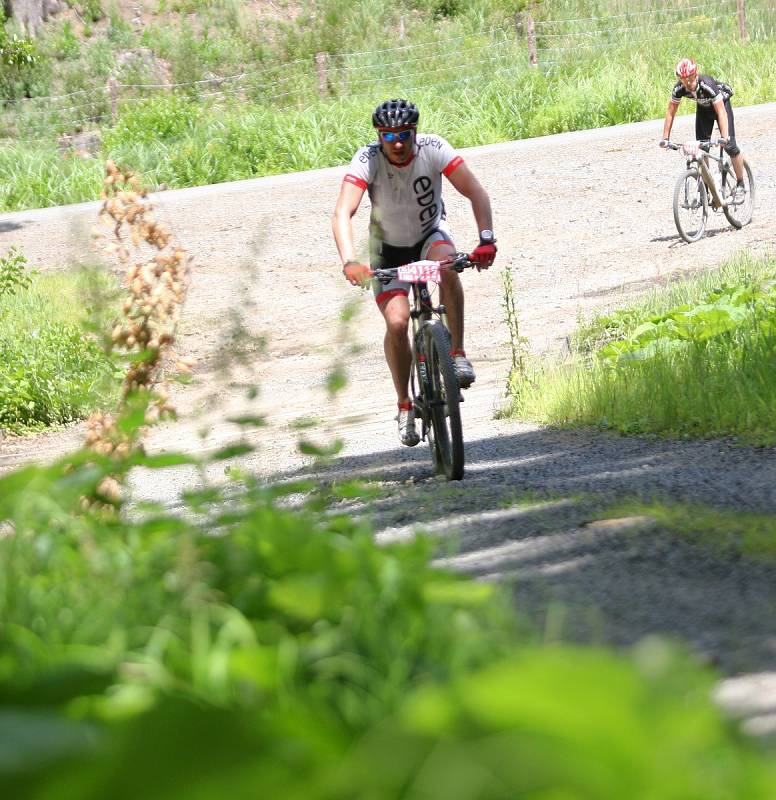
163 118
13 274
50 371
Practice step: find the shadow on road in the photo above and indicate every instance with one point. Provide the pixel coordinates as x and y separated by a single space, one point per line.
7 225
528 514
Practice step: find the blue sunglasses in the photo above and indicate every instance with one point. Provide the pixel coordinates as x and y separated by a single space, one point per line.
392 136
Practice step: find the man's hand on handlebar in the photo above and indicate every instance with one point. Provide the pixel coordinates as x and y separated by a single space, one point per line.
483 255
357 273
664 143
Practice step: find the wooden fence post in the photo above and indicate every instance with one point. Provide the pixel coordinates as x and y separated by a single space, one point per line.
323 81
742 19
530 30
113 97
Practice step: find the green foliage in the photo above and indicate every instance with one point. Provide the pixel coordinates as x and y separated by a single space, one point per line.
18 60
67 45
162 119
290 656
725 310
35 177
91 10
702 368
50 371
13 273
473 83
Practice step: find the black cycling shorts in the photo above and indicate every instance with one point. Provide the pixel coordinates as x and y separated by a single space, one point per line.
706 116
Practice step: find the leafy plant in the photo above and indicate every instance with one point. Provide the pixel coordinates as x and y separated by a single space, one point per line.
701 368
13 272
51 372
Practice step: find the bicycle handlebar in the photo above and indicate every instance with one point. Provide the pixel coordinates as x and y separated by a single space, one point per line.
712 142
457 262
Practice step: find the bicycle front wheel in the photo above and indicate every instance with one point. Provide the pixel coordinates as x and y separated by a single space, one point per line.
691 205
738 210
443 402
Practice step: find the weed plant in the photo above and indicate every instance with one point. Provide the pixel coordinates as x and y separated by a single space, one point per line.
704 367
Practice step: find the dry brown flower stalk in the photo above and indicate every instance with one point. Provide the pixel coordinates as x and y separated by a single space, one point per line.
156 288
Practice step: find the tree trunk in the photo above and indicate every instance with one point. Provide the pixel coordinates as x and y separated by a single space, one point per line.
30 13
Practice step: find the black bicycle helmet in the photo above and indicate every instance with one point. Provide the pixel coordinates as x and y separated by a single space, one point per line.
395 114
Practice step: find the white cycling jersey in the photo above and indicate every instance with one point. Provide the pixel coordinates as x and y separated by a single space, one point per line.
406 200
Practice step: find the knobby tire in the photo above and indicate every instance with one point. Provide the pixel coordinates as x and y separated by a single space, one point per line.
680 196
740 215
443 402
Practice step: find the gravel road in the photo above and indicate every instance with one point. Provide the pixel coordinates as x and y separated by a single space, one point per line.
584 223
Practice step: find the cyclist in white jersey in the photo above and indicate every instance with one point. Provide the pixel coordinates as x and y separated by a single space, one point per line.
403 174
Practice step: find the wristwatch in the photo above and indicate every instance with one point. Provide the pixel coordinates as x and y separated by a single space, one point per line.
486 237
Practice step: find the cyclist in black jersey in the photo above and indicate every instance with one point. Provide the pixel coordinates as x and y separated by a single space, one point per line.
712 98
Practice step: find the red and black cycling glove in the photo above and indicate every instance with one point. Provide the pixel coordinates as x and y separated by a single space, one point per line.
484 254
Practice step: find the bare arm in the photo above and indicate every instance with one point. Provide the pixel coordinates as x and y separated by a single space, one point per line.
669 120
341 223
464 180
348 202
722 120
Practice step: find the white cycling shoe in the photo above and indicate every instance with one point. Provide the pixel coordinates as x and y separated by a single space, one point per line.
408 434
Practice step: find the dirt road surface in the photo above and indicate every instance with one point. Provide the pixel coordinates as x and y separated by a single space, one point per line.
584 223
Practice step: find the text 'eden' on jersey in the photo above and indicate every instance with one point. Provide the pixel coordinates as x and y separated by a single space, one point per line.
406 200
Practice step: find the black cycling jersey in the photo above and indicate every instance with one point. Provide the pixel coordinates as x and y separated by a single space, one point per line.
706 92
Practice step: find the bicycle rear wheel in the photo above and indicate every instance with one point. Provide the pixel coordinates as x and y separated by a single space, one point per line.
443 402
738 213
691 205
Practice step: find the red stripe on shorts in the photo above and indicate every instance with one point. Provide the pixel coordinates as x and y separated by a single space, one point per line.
385 296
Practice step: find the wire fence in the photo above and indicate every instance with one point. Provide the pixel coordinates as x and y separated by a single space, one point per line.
458 61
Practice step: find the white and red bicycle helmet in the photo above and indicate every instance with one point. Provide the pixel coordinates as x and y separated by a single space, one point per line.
686 68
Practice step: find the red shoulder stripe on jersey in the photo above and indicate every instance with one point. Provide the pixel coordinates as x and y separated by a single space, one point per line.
356 181
452 166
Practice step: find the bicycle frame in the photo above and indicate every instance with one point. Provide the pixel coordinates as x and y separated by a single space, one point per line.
434 388
421 311
701 159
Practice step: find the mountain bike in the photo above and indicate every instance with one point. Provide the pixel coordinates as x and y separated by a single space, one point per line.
697 188
436 395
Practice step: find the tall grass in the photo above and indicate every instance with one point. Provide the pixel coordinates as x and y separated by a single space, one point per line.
471 80
702 366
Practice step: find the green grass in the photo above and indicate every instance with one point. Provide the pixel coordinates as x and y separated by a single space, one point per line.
471 81
290 656
696 360
732 533
51 371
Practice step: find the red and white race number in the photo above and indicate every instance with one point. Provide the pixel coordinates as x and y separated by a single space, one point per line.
419 272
